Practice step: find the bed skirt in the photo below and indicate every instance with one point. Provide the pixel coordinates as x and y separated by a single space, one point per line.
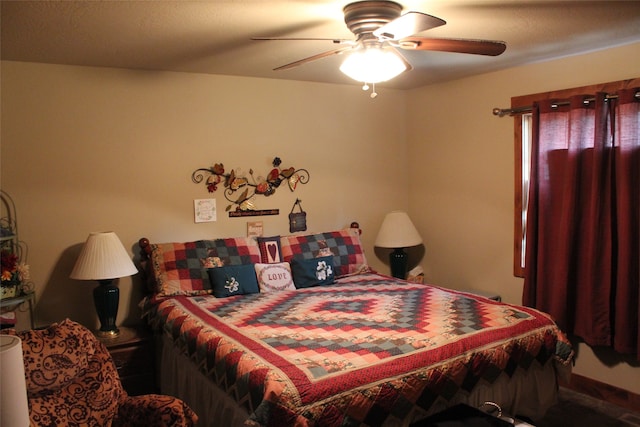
526 393
179 376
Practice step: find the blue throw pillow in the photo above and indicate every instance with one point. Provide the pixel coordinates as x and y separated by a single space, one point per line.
312 272
233 280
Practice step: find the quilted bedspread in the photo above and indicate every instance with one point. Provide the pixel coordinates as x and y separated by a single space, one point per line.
361 351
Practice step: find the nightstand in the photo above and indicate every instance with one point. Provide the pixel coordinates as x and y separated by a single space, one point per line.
132 352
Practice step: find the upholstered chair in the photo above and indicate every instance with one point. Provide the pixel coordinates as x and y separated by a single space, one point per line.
72 381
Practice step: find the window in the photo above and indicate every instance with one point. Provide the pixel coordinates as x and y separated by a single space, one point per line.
523 198
522 150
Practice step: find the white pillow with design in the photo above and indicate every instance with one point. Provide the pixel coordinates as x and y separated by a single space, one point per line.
275 277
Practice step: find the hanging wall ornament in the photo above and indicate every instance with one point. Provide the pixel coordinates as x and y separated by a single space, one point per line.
241 190
297 220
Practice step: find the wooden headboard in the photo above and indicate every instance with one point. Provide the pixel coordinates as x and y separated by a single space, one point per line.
145 262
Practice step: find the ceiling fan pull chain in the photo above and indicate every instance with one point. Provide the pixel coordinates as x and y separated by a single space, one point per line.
365 86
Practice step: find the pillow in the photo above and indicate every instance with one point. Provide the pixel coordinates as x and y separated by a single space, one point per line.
274 277
233 280
312 272
348 254
269 249
177 267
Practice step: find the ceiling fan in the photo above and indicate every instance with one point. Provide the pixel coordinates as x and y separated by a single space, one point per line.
379 26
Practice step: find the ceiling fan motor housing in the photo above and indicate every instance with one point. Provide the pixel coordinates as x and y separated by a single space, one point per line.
364 17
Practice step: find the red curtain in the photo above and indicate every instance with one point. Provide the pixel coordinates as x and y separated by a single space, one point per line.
583 219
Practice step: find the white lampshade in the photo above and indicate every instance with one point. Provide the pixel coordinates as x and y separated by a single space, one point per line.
14 407
103 257
397 231
373 65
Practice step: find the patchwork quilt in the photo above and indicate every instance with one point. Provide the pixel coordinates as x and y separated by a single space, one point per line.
364 351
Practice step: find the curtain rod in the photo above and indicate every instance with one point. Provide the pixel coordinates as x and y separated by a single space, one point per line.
501 112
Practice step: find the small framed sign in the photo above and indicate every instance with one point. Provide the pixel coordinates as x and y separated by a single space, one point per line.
205 210
254 229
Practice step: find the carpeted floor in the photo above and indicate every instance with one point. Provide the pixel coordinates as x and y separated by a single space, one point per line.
579 410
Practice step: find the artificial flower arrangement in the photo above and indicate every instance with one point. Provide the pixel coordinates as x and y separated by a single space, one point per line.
14 274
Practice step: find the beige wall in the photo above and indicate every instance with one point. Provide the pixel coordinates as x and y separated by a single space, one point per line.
461 163
92 149
86 149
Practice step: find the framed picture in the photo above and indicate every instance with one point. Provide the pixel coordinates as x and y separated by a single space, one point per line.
205 210
255 229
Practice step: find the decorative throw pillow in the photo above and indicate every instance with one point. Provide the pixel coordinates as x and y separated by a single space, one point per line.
274 277
312 272
233 280
269 249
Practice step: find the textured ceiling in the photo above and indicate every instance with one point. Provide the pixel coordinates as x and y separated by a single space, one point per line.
214 36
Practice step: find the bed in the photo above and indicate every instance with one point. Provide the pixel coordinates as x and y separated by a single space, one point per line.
333 343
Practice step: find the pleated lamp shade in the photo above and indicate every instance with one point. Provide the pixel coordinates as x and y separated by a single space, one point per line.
103 257
14 407
397 231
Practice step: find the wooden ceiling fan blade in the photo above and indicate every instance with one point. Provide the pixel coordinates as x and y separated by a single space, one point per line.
312 58
475 47
407 25
335 41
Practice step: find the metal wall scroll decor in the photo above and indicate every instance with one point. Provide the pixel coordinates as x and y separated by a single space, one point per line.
240 190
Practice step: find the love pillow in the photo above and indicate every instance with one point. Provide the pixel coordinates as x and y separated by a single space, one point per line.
275 277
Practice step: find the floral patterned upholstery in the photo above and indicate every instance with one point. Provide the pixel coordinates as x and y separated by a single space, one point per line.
72 381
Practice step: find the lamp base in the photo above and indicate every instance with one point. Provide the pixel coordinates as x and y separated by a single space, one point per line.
107 334
106 297
398 263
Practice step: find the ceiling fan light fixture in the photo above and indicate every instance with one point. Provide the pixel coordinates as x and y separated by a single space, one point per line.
373 65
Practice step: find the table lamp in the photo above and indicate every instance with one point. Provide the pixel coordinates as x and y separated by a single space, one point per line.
103 258
397 232
14 407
